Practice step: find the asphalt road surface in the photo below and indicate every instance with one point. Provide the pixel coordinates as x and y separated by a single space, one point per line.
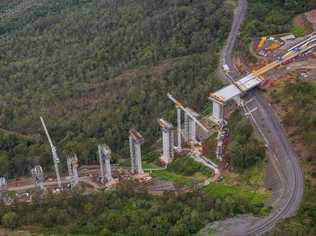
288 192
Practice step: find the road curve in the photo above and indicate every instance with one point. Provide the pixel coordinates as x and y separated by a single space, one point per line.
281 156
227 51
284 159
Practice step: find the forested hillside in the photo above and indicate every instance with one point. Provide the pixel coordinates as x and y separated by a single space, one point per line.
298 100
95 68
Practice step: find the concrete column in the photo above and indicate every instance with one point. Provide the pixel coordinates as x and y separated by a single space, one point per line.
108 171
75 175
102 174
179 144
192 130
135 141
167 141
72 164
69 167
237 100
132 154
218 111
186 127
190 125
105 163
138 159
3 188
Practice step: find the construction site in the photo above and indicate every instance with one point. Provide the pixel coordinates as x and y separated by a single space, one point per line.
279 55
302 66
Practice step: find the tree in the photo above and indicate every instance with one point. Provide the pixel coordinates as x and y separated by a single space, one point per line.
105 232
10 220
245 149
179 229
4 164
83 90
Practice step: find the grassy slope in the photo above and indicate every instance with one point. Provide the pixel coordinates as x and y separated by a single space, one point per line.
178 177
223 191
245 186
251 179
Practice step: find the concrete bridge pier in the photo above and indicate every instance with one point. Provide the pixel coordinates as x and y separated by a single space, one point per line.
218 110
167 141
237 99
190 126
104 152
135 142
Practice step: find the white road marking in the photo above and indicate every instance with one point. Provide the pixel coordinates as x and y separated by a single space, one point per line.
251 111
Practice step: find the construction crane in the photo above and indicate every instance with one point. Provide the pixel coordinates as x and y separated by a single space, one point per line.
54 152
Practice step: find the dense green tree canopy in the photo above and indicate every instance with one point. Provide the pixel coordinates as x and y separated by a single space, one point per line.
95 68
244 148
124 212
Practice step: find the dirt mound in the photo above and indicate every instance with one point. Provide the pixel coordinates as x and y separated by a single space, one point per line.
311 16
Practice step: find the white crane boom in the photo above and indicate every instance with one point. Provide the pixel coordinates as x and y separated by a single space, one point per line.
54 152
178 104
46 132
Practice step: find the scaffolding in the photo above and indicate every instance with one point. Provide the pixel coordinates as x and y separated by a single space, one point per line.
221 136
38 176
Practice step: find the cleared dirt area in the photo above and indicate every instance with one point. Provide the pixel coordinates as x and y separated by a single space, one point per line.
305 21
311 17
302 21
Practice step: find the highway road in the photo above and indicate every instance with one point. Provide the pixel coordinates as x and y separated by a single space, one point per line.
284 161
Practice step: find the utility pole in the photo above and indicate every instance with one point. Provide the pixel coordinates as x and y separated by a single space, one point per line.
54 152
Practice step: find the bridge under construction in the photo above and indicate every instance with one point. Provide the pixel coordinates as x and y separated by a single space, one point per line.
235 90
187 137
